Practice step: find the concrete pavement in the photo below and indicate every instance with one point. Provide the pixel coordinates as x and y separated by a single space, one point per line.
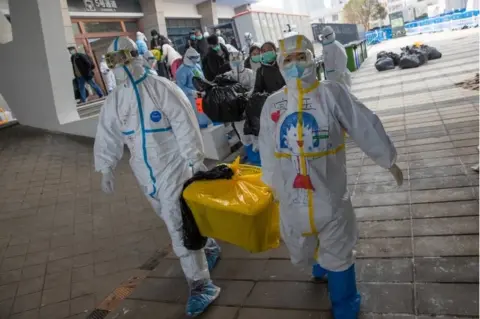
64 246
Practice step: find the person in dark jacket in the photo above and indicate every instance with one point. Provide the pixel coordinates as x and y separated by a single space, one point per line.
254 58
268 78
83 67
158 40
217 60
198 42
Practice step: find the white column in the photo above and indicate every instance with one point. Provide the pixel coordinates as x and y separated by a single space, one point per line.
208 11
67 24
153 17
37 74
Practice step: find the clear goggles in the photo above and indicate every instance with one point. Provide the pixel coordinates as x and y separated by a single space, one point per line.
194 57
120 57
304 57
236 57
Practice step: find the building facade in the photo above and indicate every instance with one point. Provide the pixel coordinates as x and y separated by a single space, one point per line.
38 87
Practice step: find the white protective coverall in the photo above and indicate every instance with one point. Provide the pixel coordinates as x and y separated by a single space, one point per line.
153 117
335 58
245 77
107 75
151 62
231 48
302 148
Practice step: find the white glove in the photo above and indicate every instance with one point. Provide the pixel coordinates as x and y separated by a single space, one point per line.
255 144
397 174
199 167
108 182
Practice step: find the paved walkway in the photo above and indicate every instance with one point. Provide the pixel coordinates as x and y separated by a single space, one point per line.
64 246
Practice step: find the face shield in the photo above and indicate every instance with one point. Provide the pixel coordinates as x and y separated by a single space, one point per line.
120 57
121 54
328 35
192 57
236 61
296 59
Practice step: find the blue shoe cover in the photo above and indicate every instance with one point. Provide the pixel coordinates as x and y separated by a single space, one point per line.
212 254
201 297
342 288
318 272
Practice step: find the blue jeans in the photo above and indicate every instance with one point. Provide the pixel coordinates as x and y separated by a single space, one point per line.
81 87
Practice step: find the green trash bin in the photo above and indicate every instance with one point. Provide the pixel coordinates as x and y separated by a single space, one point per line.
351 63
360 48
364 49
360 51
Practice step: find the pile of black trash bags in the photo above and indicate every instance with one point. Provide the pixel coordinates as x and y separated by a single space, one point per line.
227 101
411 57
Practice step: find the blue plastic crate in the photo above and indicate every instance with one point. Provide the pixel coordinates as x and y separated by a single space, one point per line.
253 158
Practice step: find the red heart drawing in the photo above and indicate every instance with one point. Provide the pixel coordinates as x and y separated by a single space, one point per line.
275 116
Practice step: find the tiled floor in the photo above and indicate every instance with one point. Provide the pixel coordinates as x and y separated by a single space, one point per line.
64 245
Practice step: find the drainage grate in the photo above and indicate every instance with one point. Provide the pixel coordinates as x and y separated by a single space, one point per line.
98 314
153 261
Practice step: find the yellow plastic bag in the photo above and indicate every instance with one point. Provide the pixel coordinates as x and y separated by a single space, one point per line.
240 211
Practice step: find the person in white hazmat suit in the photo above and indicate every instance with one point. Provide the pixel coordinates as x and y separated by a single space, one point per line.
302 149
246 78
107 75
335 58
221 40
153 117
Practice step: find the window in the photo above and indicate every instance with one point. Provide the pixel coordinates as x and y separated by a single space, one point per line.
182 26
178 30
131 26
335 17
91 27
223 21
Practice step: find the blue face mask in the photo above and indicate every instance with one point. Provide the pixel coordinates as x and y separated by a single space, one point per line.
294 71
236 64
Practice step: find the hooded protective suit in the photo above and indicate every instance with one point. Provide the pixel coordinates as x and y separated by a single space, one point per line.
154 119
221 40
335 58
245 77
190 68
248 42
141 43
107 75
151 62
239 73
302 148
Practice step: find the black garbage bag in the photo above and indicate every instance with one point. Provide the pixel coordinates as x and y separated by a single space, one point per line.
432 52
408 61
384 63
222 104
382 54
252 113
222 80
162 69
395 57
192 238
201 84
421 54
225 99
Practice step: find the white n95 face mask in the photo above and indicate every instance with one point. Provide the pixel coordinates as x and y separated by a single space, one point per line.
120 74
